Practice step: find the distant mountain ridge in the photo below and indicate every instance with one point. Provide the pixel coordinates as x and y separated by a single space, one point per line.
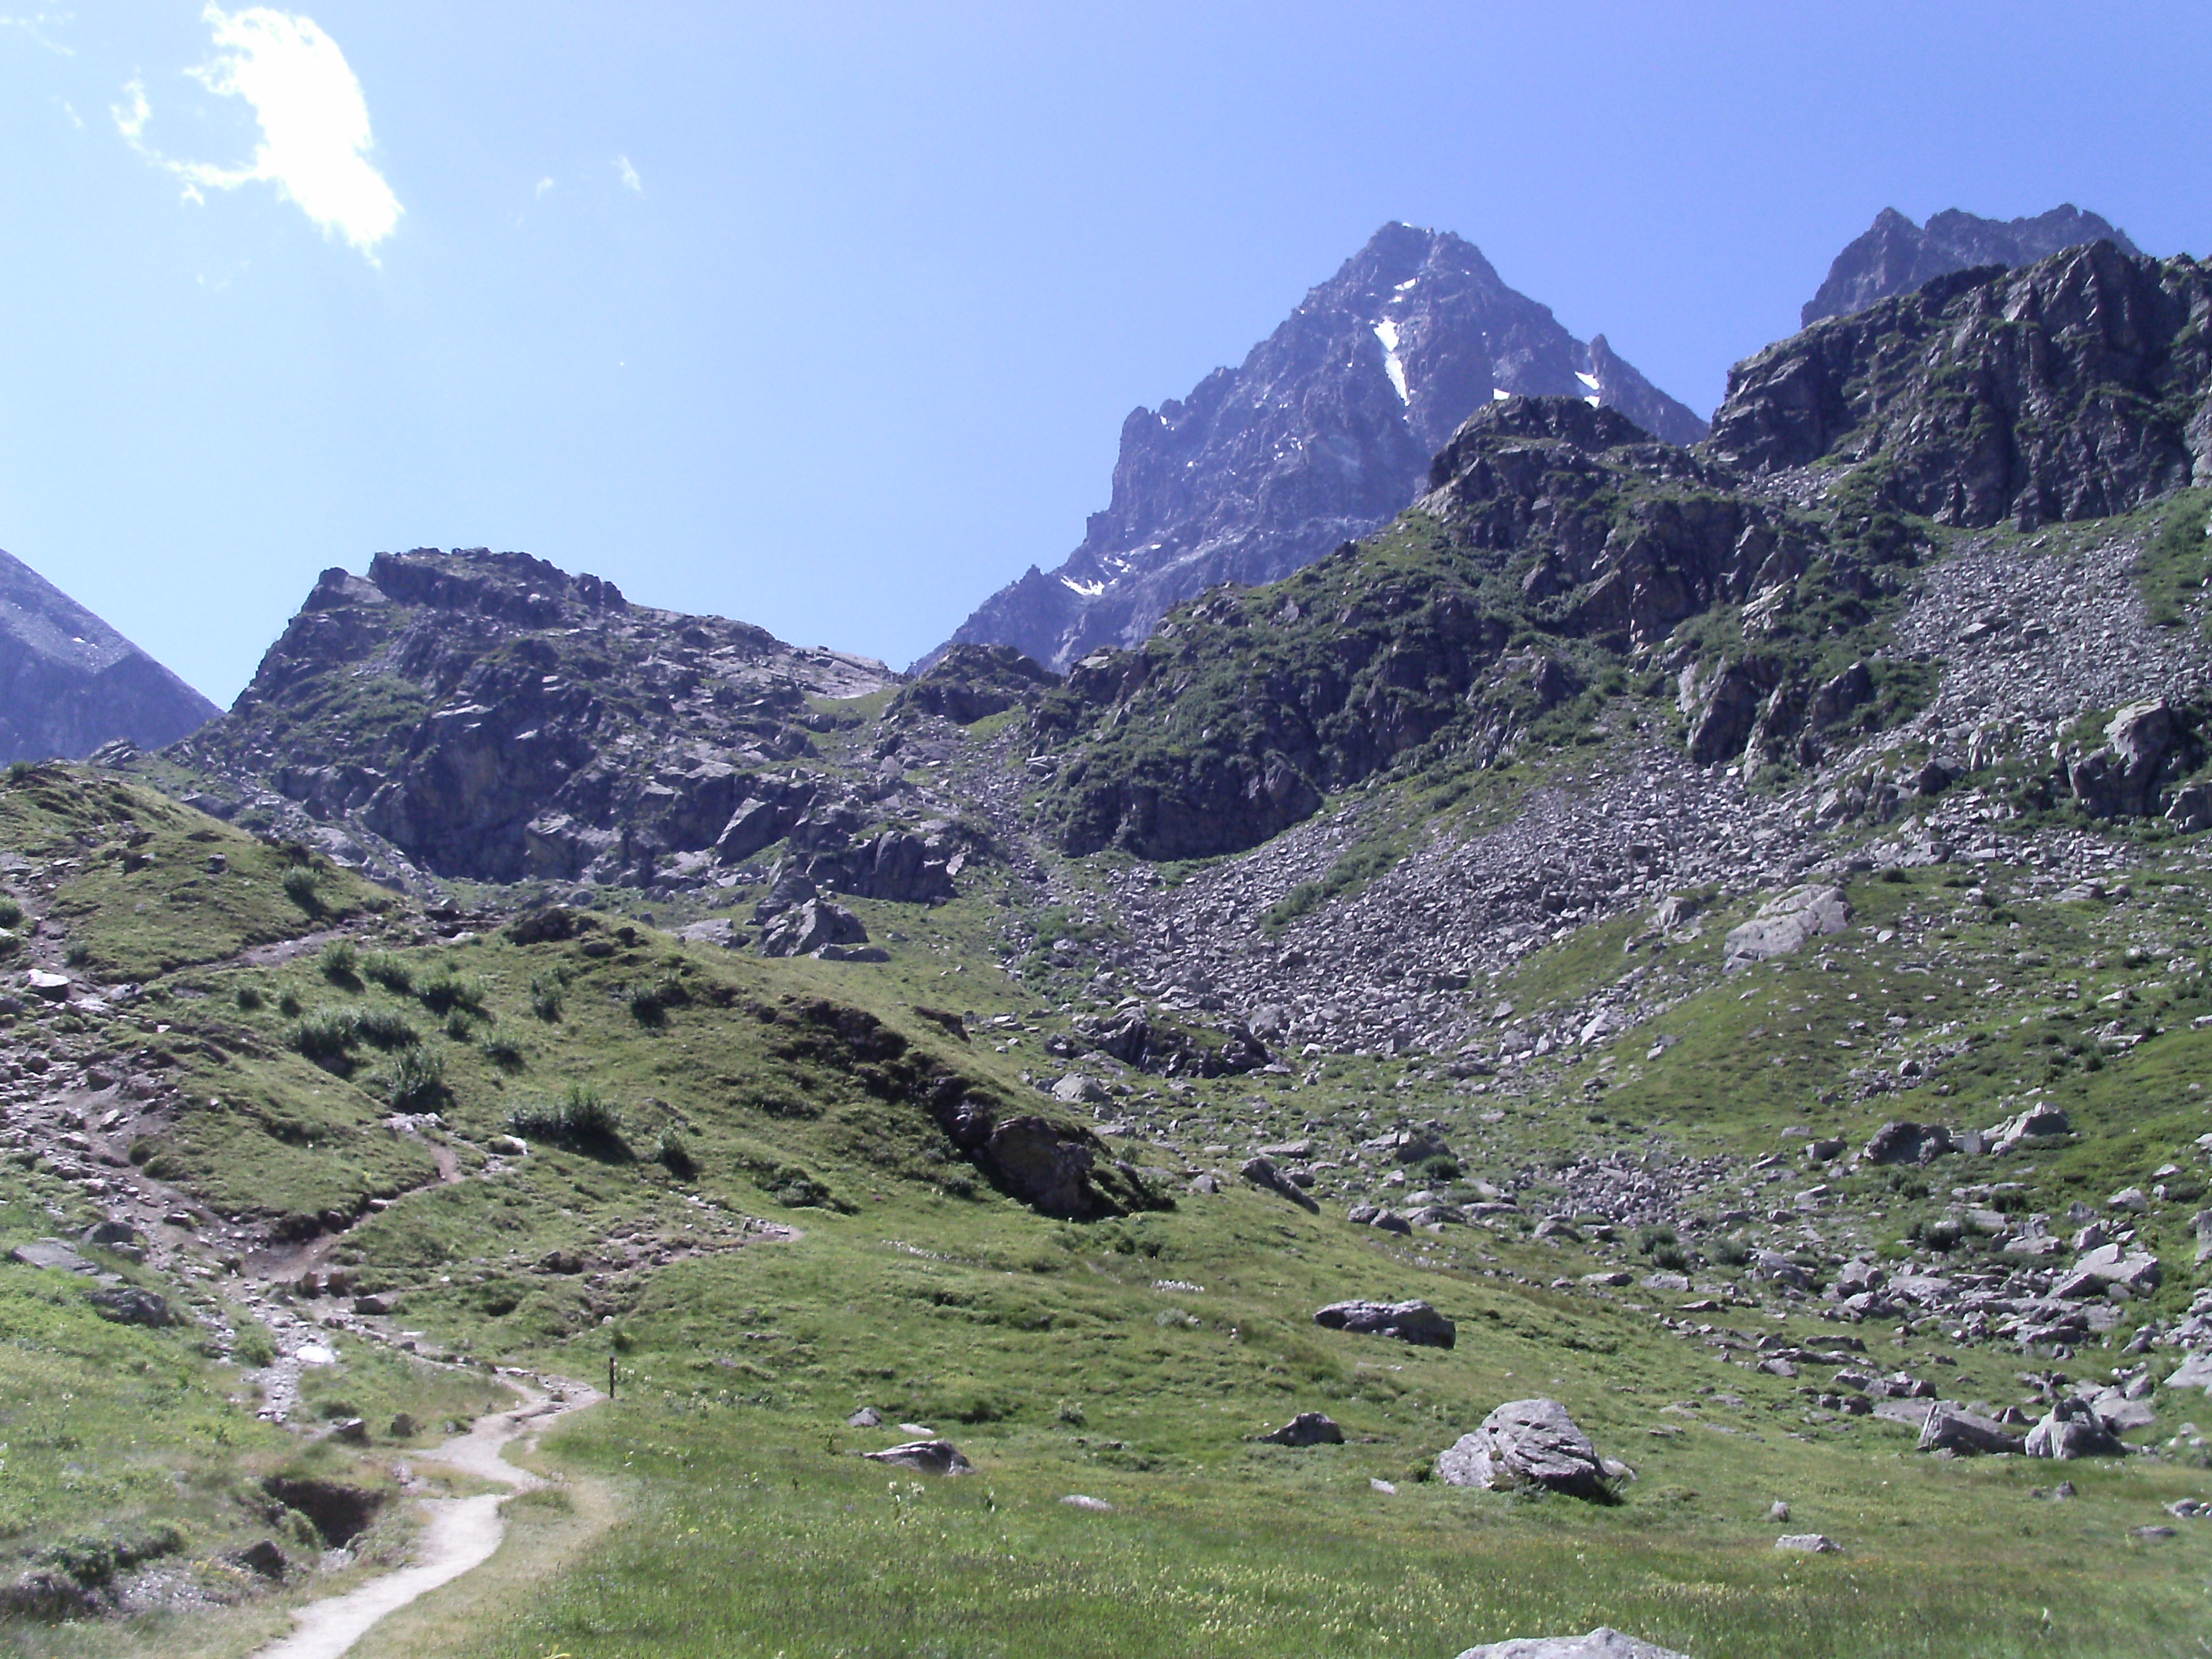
1323 432
1895 256
69 683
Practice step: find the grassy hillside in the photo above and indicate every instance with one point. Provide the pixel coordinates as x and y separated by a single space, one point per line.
730 1191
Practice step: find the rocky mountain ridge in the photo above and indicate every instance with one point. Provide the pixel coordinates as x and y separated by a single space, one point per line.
1895 256
486 716
1323 432
69 683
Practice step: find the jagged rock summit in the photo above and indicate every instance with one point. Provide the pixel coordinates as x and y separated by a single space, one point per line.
1323 432
69 683
1895 256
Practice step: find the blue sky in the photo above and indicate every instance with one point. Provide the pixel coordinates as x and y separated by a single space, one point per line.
826 316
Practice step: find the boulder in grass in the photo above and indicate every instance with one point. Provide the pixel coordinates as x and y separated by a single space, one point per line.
1950 1427
127 1304
1416 1322
2194 1372
1528 1442
1306 1429
1809 1543
929 1456
1603 1643
2072 1429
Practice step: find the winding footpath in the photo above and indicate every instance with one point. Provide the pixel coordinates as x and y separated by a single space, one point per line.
463 1533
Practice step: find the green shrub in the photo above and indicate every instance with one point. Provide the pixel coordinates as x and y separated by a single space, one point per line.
249 997
649 1003
1731 1252
417 1081
457 1025
338 961
385 1028
545 1000
582 1118
304 889
446 990
673 1156
389 969
287 1004
502 1050
11 913
325 1038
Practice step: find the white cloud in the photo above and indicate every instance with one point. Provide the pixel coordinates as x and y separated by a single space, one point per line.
314 126
36 26
631 181
544 184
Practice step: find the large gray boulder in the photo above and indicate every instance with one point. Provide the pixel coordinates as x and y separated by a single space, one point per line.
1306 1429
1603 1643
1784 923
2071 1430
1950 1427
810 926
929 1456
1416 1322
1527 1443
2107 1265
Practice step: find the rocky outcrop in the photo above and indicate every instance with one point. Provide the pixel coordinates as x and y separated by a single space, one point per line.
69 683
1323 432
1895 256
1546 517
1785 923
487 715
969 682
2072 389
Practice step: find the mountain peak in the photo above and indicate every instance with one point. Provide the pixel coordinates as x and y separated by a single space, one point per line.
1895 256
1325 431
69 683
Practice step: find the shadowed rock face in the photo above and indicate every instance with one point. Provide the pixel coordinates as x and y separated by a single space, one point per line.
2073 389
1896 256
1323 432
69 683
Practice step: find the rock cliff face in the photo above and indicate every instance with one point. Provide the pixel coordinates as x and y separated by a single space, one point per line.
2078 387
490 716
1896 256
69 683
1323 432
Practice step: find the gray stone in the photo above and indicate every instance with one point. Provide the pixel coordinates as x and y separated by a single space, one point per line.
1603 1643
2194 1372
1950 1427
263 1559
929 1456
1809 1543
866 1418
50 1253
1416 1321
127 1304
1784 923
1084 1500
1527 1443
1077 1090
1306 1429
2071 1430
